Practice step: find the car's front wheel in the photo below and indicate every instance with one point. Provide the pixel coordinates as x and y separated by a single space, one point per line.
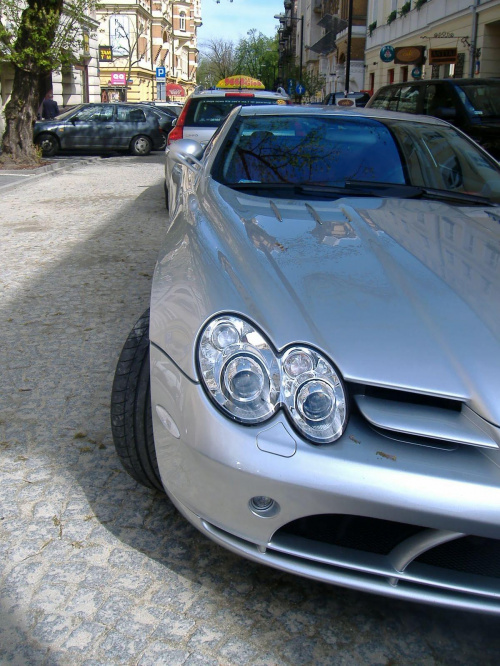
141 145
48 143
131 420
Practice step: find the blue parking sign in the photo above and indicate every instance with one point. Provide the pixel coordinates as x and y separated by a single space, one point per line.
160 72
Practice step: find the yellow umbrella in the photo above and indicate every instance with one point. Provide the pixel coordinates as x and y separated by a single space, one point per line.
239 81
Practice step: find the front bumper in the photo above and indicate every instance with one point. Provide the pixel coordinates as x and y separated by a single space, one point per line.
212 468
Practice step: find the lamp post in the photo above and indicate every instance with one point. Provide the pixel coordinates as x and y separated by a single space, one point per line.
348 54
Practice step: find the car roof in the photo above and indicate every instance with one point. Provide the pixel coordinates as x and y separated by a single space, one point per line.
453 82
221 92
276 109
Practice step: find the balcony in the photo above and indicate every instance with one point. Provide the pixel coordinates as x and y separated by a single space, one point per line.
417 20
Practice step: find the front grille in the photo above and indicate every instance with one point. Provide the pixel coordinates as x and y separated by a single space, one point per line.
467 555
370 535
472 554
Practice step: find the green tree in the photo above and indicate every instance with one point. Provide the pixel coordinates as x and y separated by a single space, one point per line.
258 57
36 38
255 56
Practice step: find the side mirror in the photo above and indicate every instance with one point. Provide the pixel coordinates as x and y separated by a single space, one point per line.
186 152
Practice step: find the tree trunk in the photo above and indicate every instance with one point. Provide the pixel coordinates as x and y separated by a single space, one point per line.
32 50
20 116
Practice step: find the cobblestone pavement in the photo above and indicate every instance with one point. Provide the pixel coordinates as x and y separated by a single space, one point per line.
95 569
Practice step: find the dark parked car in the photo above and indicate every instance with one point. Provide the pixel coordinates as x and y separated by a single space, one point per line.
166 120
171 107
472 105
101 127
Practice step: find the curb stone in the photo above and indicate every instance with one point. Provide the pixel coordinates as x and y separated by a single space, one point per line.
46 170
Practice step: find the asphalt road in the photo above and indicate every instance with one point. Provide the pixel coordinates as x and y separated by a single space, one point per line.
94 569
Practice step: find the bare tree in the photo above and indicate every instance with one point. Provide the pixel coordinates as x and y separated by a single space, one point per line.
218 59
129 42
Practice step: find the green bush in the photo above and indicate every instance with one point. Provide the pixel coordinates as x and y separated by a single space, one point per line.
405 8
392 17
372 27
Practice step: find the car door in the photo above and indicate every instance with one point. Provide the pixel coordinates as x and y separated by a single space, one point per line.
440 101
92 127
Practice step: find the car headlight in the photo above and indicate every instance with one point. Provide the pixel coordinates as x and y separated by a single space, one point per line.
249 381
239 369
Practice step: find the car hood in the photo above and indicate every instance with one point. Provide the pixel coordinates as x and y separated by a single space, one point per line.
397 293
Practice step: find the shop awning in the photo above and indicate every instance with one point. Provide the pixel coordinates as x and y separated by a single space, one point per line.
326 44
175 89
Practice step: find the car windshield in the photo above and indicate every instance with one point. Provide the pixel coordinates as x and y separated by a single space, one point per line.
339 152
210 112
481 99
69 112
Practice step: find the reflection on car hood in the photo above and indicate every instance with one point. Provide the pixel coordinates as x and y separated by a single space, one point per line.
399 293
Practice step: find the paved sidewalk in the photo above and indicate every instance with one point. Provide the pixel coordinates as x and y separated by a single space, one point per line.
96 570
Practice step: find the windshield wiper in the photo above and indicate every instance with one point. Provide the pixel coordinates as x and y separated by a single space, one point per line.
326 191
360 188
417 192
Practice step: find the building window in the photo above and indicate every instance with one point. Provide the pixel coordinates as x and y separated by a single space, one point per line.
390 76
182 21
404 74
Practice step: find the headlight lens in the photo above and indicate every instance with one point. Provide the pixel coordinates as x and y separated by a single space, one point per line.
314 394
249 381
239 369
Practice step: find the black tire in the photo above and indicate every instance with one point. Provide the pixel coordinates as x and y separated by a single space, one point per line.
163 144
131 420
48 143
165 188
141 145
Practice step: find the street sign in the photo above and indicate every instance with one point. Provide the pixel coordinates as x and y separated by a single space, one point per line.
416 72
161 73
290 86
300 89
387 53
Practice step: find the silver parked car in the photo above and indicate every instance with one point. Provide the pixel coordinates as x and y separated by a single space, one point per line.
317 383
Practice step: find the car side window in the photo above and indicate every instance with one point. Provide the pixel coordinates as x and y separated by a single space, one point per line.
100 113
387 98
128 115
408 99
436 98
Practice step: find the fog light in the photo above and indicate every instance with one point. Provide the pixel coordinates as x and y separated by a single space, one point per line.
261 503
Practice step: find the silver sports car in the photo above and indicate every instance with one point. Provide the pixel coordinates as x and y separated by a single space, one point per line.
317 383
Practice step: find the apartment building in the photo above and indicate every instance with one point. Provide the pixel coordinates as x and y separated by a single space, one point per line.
412 39
148 49
320 28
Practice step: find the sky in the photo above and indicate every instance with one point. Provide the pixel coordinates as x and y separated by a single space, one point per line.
232 20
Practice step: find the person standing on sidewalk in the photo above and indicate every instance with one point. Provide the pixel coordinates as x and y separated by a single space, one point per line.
49 107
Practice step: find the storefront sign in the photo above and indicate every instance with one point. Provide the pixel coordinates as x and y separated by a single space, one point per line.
345 101
118 79
409 55
105 54
416 72
442 56
387 53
